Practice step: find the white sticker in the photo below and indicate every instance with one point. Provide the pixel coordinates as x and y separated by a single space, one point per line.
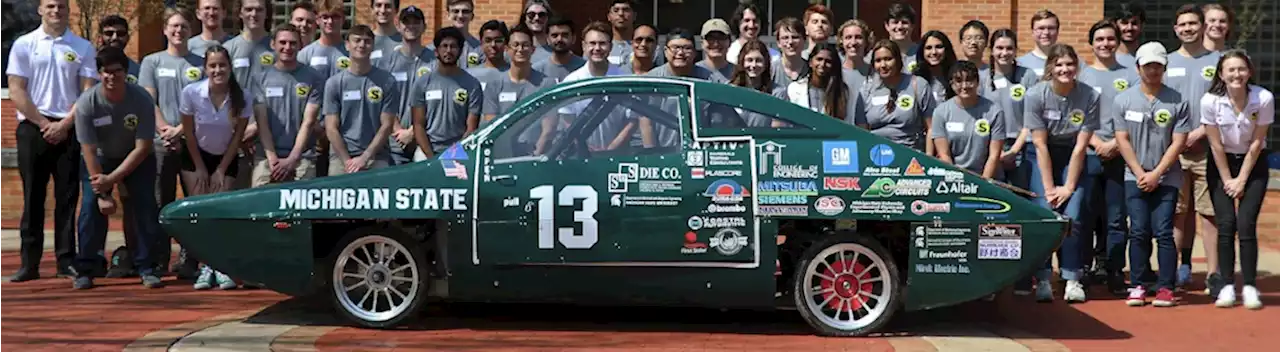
507 97
166 72
1134 116
1097 89
955 127
434 94
102 121
879 100
240 63
616 60
376 54
1052 115
351 95
320 61
401 76
483 86
1001 83
273 92
1177 72
1038 71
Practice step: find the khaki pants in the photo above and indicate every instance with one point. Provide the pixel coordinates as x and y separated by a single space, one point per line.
305 170
337 167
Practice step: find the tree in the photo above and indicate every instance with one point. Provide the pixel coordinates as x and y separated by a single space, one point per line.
1249 17
136 12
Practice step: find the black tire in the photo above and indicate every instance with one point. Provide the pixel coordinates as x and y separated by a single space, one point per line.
379 280
880 264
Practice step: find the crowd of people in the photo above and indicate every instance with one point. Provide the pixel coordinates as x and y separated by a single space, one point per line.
1135 147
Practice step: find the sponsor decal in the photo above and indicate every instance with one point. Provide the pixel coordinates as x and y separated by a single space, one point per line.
885 187
647 179
940 237
877 171
732 208
691 244
770 157
451 161
1162 117
941 250
876 207
783 210
787 188
840 183
1000 241
839 157
695 223
956 188
714 154
373 199
707 222
697 173
728 241
982 205
784 200
914 169
511 202
724 173
921 207
795 171
694 158
829 205
945 174
725 191
625 200
882 155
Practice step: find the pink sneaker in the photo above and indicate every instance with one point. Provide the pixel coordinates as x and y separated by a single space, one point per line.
1165 298
1137 296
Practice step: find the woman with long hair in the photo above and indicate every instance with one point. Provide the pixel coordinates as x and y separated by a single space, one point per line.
854 38
219 109
823 89
1236 115
754 72
968 130
791 65
973 42
935 58
1062 115
897 105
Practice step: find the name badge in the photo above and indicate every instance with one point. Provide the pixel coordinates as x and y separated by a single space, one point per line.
955 127
1001 83
1133 116
273 92
1177 72
1038 71
377 54
166 72
879 100
615 60
351 95
507 97
1052 115
434 94
401 76
320 61
240 63
1097 89
102 121
483 86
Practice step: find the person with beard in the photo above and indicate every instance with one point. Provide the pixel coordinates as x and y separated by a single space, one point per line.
854 38
1044 29
715 39
644 41
503 89
360 107
409 63
563 61
113 31
303 16
494 38
622 18
250 51
461 13
210 13
900 24
115 124
287 107
536 15
746 18
1217 27
452 97
1129 19
386 36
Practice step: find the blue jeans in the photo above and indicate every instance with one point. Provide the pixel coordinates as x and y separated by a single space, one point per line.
1151 214
1111 228
1069 254
137 195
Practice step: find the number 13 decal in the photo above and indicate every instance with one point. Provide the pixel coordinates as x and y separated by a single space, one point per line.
547 216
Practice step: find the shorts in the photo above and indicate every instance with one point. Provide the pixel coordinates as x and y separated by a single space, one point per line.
1194 184
210 163
261 175
337 167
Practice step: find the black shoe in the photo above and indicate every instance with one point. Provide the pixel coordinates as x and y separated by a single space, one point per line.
1215 284
83 283
66 271
186 268
1116 285
119 272
24 274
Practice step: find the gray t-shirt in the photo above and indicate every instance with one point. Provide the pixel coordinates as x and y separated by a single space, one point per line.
328 60
359 102
1064 117
1109 83
168 74
384 44
286 96
1032 61
449 101
115 127
133 70
854 79
541 53
780 77
969 131
484 73
472 54
726 71
198 45
1191 78
247 56
911 104
1151 125
407 70
621 52
501 94
557 72
698 72
1009 93
938 87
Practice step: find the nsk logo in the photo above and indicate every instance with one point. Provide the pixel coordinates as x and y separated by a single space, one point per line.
841 183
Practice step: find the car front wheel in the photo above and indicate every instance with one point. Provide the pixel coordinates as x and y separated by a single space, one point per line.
378 278
847 285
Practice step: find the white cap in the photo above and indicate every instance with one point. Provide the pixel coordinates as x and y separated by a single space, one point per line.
1152 52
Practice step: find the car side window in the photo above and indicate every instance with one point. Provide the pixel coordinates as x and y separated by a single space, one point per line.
717 115
593 126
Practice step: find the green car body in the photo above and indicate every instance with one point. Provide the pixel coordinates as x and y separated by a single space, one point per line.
706 220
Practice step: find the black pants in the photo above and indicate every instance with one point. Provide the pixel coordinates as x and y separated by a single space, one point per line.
38 162
1245 221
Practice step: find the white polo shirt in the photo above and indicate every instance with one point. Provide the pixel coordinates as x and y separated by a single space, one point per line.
213 123
53 67
1237 129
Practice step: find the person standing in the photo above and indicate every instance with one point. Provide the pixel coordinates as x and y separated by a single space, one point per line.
596 46
715 41
115 125
644 46
287 107
48 68
790 65
303 16
968 129
461 13
386 35
113 31
746 18
504 89
210 13
494 36
360 106
409 63
854 38
447 103
622 21
328 56
1044 30
250 51
897 105
562 36
817 27
1217 23
1129 19
537 13
933 63
901 24
823 89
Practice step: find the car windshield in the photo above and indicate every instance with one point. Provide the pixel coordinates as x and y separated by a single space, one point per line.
589 126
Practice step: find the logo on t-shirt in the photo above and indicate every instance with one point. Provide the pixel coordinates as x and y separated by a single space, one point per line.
70 56
131 79
344 62
1077 117
1163 116
131 121
906 101
267 59
911 67
1253 116
460 96
1120 84
1017 92
1208 72
982 127
302 89
374 94
473 59
192 73
423 71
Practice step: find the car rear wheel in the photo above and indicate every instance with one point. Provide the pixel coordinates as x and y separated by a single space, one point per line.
847 286
378 278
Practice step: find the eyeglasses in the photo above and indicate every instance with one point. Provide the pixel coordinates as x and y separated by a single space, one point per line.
679 48
973 38
520 45
114 33
112 70
536 14
643 40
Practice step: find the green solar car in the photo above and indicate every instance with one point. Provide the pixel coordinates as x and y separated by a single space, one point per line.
637 191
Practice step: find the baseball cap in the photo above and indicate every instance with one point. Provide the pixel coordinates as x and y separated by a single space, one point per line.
714 25
1152 52
412 12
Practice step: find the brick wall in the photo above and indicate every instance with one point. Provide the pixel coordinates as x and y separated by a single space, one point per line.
1075 18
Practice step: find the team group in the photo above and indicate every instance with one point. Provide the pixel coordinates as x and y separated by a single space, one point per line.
1134 146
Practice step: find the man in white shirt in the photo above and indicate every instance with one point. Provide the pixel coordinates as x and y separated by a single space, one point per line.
48 69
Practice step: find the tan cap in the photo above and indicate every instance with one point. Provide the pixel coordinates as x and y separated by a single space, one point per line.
715 24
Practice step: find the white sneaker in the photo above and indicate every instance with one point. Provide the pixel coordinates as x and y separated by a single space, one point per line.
1252 298
1074 292
1226 297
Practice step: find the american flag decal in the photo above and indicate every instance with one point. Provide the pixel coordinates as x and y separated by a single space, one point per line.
453 168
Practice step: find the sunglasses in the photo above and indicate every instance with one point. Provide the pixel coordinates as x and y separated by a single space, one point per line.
114 33
537 14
